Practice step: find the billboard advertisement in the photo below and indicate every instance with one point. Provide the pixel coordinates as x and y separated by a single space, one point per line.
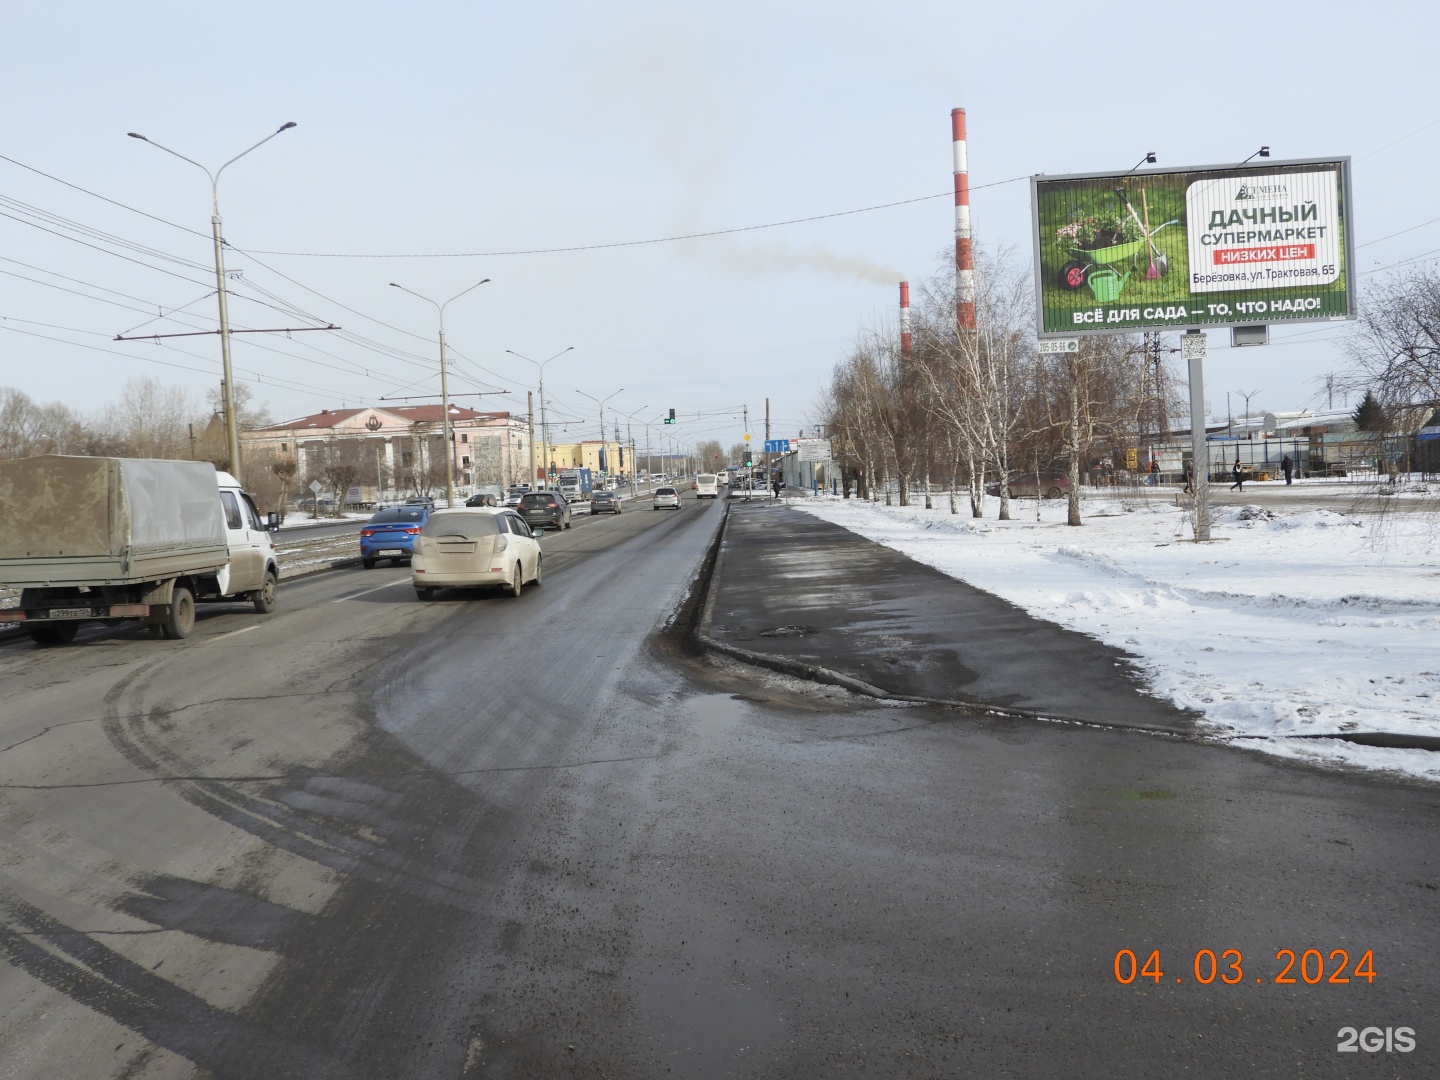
1178 248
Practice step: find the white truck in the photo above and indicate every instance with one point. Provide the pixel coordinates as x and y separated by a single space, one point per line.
87 538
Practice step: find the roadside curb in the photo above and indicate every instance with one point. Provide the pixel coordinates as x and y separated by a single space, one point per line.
821 674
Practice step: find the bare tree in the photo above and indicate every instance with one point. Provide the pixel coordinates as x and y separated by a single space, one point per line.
28 428
149 419
338 464
283 468
1395 348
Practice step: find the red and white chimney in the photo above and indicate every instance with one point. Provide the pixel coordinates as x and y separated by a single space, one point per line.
964 253
905 339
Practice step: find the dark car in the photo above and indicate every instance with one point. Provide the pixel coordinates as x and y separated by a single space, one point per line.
1052 485
390 534
604 502
544 509
482 499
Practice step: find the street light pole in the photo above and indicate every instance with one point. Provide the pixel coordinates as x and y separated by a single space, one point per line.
232 427
601 403
628 418
444 388
544 427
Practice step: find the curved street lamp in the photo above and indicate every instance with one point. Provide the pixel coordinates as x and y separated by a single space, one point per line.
544 427
444 386
232 430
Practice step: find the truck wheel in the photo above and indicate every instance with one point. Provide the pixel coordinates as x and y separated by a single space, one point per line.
264 597
181 620
49 634
422 593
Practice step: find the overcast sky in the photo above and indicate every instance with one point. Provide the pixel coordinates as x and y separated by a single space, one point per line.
483 127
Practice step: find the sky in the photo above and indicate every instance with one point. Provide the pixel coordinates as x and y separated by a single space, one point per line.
454 134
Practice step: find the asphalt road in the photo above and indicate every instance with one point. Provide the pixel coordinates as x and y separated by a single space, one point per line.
370 837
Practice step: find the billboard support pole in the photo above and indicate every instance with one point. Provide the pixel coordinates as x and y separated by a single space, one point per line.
964 253
1199 452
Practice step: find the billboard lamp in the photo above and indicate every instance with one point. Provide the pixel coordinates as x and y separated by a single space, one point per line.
1148 159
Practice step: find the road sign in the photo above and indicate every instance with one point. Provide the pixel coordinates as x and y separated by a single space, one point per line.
816 450
316 486
1050 346
747 436
777 446
1192 346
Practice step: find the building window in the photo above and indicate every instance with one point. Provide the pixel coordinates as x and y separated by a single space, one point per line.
464 438
282 448
465 460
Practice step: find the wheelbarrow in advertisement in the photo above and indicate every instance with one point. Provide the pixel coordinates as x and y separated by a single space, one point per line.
1179 248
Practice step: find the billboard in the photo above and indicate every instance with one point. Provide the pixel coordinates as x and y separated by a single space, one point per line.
1178 248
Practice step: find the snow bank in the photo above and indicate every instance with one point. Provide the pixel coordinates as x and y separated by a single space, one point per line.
1291 622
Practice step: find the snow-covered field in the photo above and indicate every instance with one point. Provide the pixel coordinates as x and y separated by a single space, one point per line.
1292 621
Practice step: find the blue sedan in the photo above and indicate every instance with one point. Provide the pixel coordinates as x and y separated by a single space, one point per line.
391 534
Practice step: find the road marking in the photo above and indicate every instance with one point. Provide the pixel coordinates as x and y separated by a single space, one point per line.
366 592
232 633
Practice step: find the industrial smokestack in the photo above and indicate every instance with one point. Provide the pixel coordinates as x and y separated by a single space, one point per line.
905 340
964 255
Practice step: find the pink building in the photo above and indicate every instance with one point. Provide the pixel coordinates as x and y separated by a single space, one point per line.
402 446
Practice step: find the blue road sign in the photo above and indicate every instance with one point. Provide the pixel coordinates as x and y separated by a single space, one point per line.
777 446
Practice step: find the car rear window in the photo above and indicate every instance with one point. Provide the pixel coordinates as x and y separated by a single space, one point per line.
539 499
399 513
470 526
705 478
664 491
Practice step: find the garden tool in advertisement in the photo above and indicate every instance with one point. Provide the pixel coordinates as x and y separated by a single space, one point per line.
1159 260
1151 273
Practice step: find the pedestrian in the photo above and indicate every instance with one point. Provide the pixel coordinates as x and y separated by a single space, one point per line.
1189 478
775 486
1288 468
1239 474
1154 472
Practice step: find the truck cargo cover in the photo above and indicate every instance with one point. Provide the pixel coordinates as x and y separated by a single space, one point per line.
59 506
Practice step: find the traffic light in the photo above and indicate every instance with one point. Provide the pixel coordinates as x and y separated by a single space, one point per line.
748 463
671 418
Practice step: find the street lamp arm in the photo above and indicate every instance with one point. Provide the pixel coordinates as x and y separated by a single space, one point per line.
262 142
462 292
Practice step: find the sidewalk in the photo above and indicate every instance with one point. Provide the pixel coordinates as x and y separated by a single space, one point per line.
802 595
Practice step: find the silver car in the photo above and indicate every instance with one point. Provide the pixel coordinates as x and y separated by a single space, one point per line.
474 546
666 497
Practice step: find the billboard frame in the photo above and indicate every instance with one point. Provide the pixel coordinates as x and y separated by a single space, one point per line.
1347 212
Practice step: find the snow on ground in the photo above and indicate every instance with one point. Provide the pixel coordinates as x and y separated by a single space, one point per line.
1292 621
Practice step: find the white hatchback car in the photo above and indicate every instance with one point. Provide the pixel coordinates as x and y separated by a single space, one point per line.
470 547
666 497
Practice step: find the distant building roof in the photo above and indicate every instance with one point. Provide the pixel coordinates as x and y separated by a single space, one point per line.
411 414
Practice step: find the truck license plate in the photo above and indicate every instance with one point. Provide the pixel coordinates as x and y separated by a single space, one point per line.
70 613
390 551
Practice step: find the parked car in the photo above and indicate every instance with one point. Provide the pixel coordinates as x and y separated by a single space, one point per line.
471 547
666 497
547 509
484 498
1052 485
604 502
390 534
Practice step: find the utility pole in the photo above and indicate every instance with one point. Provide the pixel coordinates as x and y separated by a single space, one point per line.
530 408
770 483
232 430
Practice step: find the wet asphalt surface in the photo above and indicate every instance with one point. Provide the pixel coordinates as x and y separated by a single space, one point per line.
369 837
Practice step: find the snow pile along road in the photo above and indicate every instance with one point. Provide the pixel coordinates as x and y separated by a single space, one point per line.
1290 623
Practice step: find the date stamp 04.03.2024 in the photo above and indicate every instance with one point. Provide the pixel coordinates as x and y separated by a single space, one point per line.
1310 967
